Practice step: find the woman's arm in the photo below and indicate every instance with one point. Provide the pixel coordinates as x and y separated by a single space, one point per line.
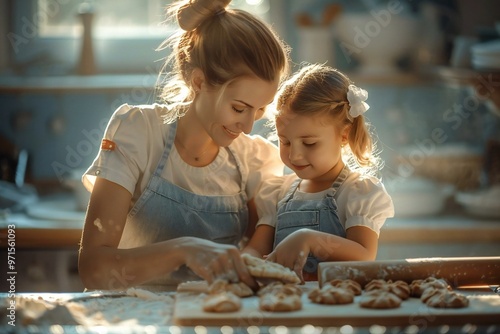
103 266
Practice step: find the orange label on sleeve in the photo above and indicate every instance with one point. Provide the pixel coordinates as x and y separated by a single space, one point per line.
108 145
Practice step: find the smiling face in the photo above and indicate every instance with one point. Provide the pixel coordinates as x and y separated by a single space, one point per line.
311 145
226 112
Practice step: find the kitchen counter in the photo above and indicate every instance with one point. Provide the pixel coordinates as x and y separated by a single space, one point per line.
446 235
438 229
47 250
446 229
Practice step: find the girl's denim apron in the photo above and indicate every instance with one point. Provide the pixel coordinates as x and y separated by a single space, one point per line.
165 211
320 215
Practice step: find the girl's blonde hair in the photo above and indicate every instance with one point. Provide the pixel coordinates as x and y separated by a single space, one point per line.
224 43
319 89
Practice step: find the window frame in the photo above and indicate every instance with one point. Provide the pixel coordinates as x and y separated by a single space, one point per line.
31 54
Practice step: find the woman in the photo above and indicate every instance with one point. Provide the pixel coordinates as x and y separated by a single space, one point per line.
173 184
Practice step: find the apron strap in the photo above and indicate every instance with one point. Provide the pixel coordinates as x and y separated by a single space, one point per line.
243 173
169 141
339 180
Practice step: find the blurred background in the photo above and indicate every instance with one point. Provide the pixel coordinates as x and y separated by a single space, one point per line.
431 67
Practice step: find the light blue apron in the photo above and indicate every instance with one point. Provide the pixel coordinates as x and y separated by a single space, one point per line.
165 211
320 215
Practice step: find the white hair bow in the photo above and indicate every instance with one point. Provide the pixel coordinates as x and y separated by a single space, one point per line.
357 97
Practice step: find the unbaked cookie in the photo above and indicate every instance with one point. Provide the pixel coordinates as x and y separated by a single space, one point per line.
417 287
279 297
348 284
280 302
260 268
399 288
441 298
221 302
239 289
382 299
279 287
331 295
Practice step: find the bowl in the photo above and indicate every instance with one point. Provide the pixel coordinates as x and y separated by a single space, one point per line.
376 42
417 197
455 164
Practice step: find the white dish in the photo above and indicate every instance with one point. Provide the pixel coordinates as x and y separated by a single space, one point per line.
490 60
483 212
485 203
485 66
487 48
64 209
486 61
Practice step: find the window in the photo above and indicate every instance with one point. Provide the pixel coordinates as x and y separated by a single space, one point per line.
46 34
129 18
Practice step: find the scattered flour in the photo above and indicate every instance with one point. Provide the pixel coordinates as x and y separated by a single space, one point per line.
137 307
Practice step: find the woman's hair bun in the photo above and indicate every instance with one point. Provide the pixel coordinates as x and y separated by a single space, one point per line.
194 12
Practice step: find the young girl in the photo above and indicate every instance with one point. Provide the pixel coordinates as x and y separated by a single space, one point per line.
333 207
173 184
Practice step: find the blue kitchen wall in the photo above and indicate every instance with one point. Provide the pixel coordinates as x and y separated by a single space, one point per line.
60 131
63 131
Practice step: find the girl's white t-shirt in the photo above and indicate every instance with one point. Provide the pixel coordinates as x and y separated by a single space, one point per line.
139 135
361 200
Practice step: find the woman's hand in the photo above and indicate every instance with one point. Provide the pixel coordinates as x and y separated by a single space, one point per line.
211 260
292 251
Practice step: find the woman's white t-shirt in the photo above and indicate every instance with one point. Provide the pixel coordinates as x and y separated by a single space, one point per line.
139 135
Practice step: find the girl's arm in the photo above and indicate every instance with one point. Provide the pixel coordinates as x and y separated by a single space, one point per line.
360 244
261 242
253 219
103 266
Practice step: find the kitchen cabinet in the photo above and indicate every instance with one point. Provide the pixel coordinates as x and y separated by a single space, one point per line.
44 269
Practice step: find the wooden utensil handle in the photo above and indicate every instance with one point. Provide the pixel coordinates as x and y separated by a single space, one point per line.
458 271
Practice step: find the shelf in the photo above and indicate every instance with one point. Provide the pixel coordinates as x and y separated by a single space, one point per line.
73 83
390 79
486 83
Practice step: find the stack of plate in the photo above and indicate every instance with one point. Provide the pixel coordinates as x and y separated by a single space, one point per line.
486 56
482 203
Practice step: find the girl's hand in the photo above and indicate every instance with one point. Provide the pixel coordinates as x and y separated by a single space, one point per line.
292 252
211 260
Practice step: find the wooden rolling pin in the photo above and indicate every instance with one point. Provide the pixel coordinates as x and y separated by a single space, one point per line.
458 271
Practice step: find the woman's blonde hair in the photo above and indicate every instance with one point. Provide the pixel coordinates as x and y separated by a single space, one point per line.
224 43
319 89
